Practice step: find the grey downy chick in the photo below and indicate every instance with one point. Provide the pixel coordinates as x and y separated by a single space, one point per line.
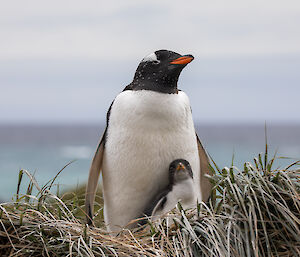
180 189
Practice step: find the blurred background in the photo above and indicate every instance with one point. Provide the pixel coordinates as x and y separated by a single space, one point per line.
63 62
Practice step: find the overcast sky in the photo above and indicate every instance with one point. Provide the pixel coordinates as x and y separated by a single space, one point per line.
65 61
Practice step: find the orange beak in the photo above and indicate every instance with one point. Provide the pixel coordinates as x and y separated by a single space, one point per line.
183 60
180 166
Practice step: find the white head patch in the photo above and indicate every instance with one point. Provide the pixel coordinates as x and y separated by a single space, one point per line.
150 58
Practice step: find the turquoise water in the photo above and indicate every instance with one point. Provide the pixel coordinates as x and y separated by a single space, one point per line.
45 150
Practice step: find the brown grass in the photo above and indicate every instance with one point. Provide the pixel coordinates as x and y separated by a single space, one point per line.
252 212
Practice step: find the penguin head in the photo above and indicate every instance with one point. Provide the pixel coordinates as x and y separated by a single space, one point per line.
179 170
160 71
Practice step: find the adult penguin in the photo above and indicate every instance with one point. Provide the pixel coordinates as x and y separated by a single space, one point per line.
149 124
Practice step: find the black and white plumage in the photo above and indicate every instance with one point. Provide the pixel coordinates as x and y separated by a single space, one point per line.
180 189
149 125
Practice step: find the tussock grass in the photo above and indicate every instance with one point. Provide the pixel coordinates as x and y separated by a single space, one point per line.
253 211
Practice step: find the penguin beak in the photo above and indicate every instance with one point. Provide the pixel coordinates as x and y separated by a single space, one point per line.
185 59
180 166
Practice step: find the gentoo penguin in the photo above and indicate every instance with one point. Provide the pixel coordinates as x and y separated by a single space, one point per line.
180 189
149 124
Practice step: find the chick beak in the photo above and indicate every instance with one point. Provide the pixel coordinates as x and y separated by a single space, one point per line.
180 166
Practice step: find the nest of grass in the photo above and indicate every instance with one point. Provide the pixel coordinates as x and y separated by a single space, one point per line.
254 211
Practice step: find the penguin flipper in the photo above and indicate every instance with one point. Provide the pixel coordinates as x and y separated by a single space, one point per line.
93 181
205 184
159 207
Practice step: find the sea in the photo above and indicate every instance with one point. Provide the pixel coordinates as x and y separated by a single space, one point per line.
44 150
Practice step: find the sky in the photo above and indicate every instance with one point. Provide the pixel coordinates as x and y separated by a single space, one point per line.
65 61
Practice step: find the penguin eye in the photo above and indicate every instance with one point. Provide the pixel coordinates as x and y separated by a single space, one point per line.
156 62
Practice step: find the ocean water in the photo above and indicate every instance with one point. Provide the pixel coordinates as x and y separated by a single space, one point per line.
45 149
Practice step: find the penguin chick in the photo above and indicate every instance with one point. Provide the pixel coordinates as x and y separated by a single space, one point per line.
180 189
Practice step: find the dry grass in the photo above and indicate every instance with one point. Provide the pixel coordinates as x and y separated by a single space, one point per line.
252 212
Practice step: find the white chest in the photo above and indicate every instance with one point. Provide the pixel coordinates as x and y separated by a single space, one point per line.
182 192
147 131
